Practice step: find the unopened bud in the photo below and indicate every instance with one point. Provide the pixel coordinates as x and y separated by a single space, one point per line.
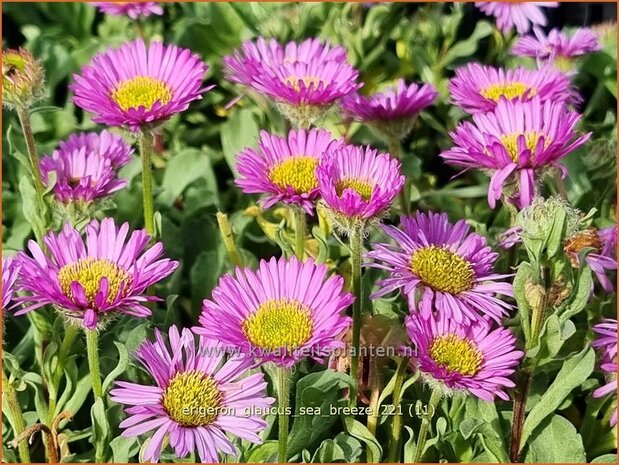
22 79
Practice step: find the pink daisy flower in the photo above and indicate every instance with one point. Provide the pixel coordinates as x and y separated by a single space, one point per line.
197 400
557 48
285 168
136 84
392 112
86 166
10 273
606 343
469 357
478 88
437 264
310 75
281 313
516 14
93 279
514 143
357 182
602 259
131 9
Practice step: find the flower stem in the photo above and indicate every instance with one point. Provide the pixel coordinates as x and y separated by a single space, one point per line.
225 229
561 190
521 393
70 334
283 394
396 426
24 121
146 151
395 149
425 425
300 227
9 395
92 347
356 244
374 382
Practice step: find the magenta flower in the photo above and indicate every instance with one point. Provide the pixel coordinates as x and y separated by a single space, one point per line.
437 264
478 88
285 169
131 9
10 273
602 259
606 343
557 48
357 182
516 14
469 357
392 112
198 398
136 84
94 279
305 79
285 311
86 166
515 143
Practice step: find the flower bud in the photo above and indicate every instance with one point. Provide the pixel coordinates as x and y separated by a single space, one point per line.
22 79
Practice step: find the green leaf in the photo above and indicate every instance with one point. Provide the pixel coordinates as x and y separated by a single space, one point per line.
124 448
607 458
556 442
409 445
359 431
523 276
184 168
554 240
553 336
581 294
100 427
573 373
34 212
239 132
321 391
123 363
468 47
264 453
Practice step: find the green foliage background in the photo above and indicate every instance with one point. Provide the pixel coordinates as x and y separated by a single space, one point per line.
194 173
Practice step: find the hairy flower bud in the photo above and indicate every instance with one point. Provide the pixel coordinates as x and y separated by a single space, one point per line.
22 79
537 219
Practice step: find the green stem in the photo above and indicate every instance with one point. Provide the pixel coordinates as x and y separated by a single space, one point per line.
70 334
92 347
374 383
225 229
24 121
425 425
356 244
146 151
9 395
300 227
561 190
521 394
396 426
395 149
283 393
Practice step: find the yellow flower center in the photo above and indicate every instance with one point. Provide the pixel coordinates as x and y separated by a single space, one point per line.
88 272
296 172
142 91
442 269
509 90
192 399
456 354
279 323
363 188
510 142
308 81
